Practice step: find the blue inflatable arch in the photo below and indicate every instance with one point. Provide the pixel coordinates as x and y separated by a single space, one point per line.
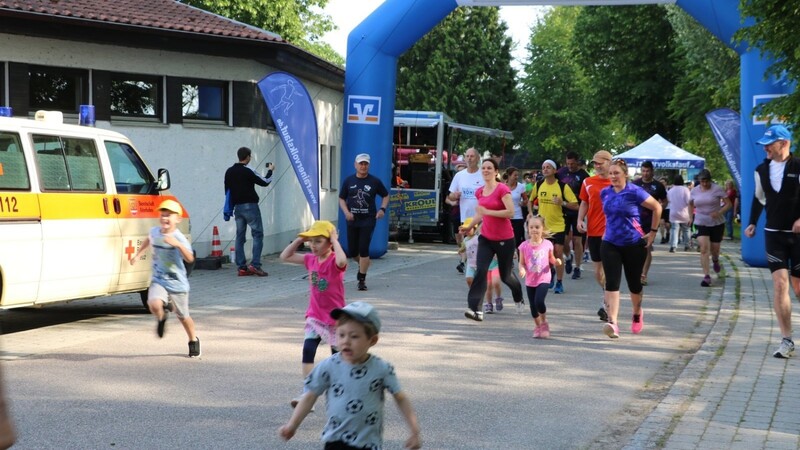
370 77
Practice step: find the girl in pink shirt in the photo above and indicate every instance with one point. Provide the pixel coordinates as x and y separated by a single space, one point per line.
536 257
326 266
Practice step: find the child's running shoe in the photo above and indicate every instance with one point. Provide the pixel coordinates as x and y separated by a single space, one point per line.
488 308
611 330
537 332
520 307
194 348
706 281
559 289
498 302
544 330
162 324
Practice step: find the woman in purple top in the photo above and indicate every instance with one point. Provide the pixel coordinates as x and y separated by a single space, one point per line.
625 244
710 204
494 211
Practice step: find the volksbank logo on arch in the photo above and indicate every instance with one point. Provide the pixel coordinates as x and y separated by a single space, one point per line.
364 109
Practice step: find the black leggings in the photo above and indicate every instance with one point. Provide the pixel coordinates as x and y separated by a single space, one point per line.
310 350
487 249
536 295
629 257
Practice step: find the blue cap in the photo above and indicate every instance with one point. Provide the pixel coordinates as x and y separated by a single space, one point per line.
361 311
775 133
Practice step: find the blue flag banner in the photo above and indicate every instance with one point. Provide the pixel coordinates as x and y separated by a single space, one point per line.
296 122
726 125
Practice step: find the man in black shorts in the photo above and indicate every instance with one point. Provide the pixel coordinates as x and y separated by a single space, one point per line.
357 201
777 189
657 191
572 175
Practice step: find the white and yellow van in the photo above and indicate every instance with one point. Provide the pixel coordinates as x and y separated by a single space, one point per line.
75 204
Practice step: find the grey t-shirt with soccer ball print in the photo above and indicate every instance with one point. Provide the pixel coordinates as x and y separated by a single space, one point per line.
355 396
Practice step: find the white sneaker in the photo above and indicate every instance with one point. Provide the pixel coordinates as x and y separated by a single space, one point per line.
785 349
520 307
474 315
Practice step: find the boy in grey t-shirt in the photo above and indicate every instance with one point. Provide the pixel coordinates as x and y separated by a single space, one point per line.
169 287
354 381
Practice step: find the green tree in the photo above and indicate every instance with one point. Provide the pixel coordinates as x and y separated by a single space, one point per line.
627 54
299 22
708 78
773 33
557 96
463 68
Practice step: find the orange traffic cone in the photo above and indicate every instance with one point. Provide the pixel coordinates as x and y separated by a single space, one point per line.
216 246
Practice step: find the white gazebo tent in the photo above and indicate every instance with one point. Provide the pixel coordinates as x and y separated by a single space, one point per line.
663 154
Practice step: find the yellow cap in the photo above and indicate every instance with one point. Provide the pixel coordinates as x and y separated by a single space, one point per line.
172 206
320 228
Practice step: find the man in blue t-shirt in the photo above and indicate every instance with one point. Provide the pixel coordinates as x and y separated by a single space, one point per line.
357 201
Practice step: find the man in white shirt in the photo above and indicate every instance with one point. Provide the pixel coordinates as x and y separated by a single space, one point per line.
463 187
465 183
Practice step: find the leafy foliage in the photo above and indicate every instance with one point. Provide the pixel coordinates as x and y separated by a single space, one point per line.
708 78
774 34
627 54
556 94
463 68
300 22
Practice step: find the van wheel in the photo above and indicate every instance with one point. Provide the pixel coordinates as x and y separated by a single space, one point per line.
143 297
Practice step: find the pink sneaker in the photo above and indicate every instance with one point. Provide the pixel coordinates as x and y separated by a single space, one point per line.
611 330
544 331
637 323
537 332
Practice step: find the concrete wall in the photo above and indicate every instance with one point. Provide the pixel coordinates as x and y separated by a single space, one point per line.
198 155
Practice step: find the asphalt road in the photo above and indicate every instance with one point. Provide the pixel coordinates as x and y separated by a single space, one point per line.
94 375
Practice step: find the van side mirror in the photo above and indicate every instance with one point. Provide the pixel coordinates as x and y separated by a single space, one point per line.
163 182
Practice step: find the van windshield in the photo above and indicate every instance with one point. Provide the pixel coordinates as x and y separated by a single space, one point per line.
130 173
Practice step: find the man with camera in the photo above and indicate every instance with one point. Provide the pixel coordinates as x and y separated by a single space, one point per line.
240 181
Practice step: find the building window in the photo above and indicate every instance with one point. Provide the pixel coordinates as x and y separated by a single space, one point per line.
333 163
324 167
3 87
204 100
57 88
136 95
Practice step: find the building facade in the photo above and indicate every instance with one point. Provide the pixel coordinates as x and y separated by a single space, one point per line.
181 83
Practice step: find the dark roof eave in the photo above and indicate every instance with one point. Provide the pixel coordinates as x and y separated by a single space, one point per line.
307 64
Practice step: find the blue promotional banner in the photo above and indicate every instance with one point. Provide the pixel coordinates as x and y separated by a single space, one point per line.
296 122
726 124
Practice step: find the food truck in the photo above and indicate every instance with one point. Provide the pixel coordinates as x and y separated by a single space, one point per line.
423 166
